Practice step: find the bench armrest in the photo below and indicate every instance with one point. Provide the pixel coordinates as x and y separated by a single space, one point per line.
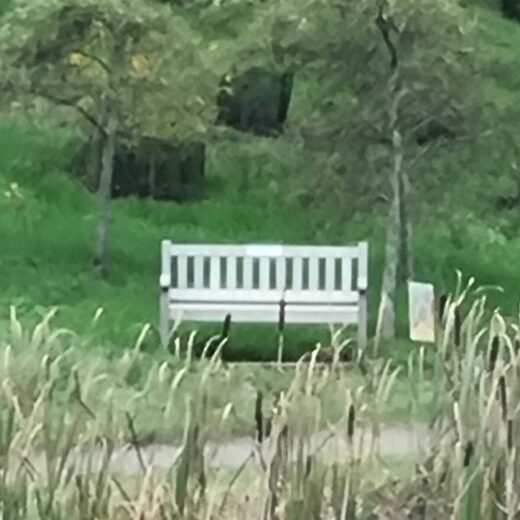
165 282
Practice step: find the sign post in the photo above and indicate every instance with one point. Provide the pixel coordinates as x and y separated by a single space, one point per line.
421 303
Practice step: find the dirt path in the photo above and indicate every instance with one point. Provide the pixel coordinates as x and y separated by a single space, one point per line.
397 440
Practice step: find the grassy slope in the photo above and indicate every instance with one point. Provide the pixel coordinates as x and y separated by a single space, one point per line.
46 230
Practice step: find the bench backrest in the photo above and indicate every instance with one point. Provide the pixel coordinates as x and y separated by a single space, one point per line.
264 273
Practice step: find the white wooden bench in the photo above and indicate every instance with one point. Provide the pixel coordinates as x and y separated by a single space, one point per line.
253 283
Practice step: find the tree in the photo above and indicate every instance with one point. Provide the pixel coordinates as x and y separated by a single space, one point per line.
106 61
423 98
404 69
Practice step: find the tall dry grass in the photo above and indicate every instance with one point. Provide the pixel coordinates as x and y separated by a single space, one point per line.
66 415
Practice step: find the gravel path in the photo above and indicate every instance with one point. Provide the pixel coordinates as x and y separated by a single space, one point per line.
397 440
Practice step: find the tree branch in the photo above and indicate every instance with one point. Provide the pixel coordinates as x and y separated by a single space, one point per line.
73 104
385 26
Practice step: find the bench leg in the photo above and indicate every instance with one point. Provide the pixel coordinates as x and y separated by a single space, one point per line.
164 323
362 323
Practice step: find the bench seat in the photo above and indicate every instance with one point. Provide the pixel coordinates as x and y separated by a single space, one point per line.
263 313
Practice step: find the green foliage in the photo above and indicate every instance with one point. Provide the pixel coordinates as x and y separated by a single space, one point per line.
4 6
112 49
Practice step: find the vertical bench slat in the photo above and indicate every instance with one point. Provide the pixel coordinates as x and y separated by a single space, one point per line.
265 282
214 276
231 273
346 274
182 271
330 274
248 272
198 275
314 273
297 274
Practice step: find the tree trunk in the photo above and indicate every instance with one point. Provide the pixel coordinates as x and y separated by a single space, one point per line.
94 158
386 316
407 253
101 258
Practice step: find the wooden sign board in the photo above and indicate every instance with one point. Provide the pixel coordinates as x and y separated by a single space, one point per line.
264 250
421 303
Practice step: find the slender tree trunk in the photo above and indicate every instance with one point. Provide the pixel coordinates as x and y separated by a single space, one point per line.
394 233
101 258
94 158
386 316
407 253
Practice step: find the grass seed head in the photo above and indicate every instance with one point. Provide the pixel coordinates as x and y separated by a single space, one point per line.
503 396
493 355
259 417
350 422
469 450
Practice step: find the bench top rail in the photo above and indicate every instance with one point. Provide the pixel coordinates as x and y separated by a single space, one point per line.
243 273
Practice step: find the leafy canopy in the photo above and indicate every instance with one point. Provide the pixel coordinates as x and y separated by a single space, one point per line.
155 70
